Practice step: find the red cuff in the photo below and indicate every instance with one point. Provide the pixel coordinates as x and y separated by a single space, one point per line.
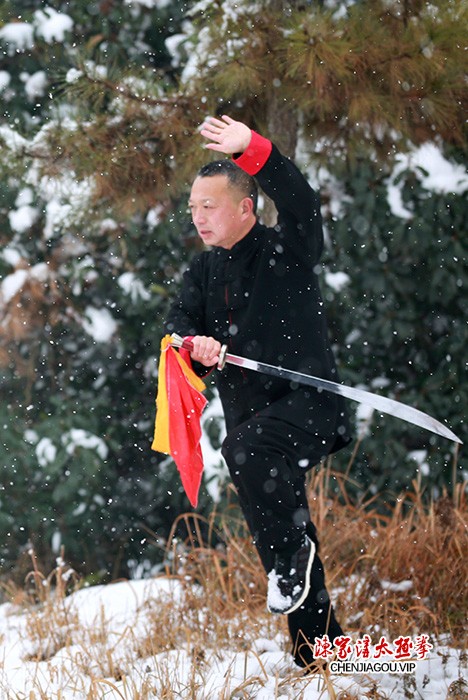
255 155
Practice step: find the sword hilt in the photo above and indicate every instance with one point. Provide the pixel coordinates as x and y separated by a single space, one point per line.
178 342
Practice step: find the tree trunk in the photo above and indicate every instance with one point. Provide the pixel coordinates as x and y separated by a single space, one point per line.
282 121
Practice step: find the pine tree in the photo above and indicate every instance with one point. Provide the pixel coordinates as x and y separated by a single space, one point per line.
100 110
84 290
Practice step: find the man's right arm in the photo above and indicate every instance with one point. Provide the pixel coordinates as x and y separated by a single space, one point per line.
185 318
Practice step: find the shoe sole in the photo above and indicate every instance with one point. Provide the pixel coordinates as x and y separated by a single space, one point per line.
306 590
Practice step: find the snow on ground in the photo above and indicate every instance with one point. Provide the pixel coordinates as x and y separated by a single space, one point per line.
95 653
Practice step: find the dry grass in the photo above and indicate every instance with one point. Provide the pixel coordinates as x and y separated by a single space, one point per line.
405 571
368 553
224 594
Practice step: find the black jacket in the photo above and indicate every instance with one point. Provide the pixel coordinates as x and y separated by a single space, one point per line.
262 298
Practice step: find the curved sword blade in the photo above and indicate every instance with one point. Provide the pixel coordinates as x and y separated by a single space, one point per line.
380 403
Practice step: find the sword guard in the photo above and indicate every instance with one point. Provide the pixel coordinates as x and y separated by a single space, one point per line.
222 357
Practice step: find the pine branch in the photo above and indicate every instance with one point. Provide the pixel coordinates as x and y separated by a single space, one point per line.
361 81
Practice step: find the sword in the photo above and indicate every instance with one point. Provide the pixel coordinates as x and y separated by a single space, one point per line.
380 403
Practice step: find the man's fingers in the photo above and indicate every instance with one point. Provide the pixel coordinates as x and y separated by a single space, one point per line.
214 135
205 360
213 121
210 134
211 130
205 350
232 136
212 126
214 147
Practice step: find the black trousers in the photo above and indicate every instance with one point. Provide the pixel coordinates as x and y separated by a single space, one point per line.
268 460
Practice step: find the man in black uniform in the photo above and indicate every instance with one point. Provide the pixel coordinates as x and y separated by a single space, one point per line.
257 291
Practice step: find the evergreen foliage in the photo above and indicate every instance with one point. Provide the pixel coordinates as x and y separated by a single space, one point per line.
401 322
100 105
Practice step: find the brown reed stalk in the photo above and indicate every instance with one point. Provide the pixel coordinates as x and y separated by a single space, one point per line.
368 555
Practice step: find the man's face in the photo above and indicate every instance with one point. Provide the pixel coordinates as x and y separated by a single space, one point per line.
218 211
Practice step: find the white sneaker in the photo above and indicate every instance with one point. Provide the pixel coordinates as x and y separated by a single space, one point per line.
289 580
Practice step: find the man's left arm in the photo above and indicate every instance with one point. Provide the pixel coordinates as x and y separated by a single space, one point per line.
297 203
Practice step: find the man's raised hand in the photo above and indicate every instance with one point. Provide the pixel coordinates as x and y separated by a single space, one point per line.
226 135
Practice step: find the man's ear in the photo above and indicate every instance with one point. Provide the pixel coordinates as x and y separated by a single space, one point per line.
247 206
